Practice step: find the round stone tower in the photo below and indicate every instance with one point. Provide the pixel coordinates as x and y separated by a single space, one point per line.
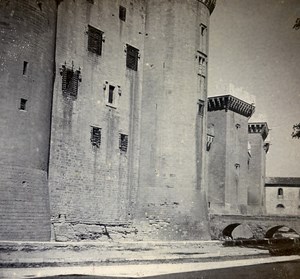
27 48
172 180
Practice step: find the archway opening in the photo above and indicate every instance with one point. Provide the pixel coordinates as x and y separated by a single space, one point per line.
227 232
237 231
281 231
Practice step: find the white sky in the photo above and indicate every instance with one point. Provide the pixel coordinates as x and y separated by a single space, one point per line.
253 45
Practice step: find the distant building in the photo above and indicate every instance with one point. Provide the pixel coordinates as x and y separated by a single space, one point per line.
283 195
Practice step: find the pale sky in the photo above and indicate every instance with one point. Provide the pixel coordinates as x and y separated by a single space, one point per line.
253 45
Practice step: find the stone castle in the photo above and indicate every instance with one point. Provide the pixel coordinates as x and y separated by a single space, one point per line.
107 130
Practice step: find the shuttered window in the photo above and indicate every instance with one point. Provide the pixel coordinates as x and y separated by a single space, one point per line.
123 142
70 80
96 137
95 40
132 57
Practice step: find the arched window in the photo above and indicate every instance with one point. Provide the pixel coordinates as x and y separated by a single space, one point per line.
280 206
280 193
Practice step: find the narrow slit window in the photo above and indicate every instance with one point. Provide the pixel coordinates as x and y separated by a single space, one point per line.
280 193
203 29
201 61
39 3
201 107
23 104
25 67
132 58
123 143
96 137
122 13
95 37
111 94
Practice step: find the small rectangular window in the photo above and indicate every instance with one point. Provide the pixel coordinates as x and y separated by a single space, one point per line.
25 66
70 80
132 57
122 13
280 193
96 137
200 107
95 40
23 104
123 142
111 94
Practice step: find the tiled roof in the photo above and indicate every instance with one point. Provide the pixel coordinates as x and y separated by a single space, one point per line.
210 4
282 181
229 102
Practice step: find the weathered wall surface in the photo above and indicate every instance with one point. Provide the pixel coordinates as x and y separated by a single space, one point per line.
26 72
171 199
94 186
290 199
94 183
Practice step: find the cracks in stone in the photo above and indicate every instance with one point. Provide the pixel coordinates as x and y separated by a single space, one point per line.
106 233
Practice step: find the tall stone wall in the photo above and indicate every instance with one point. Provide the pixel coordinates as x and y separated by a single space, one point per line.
93 184
171 193
236 163
257 167
27 46
217 161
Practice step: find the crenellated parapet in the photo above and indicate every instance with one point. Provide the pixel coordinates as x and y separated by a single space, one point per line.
210 4
229 102
259 128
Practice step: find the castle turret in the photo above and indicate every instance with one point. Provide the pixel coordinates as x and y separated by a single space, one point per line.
228 157
27 49
172 178
257 149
